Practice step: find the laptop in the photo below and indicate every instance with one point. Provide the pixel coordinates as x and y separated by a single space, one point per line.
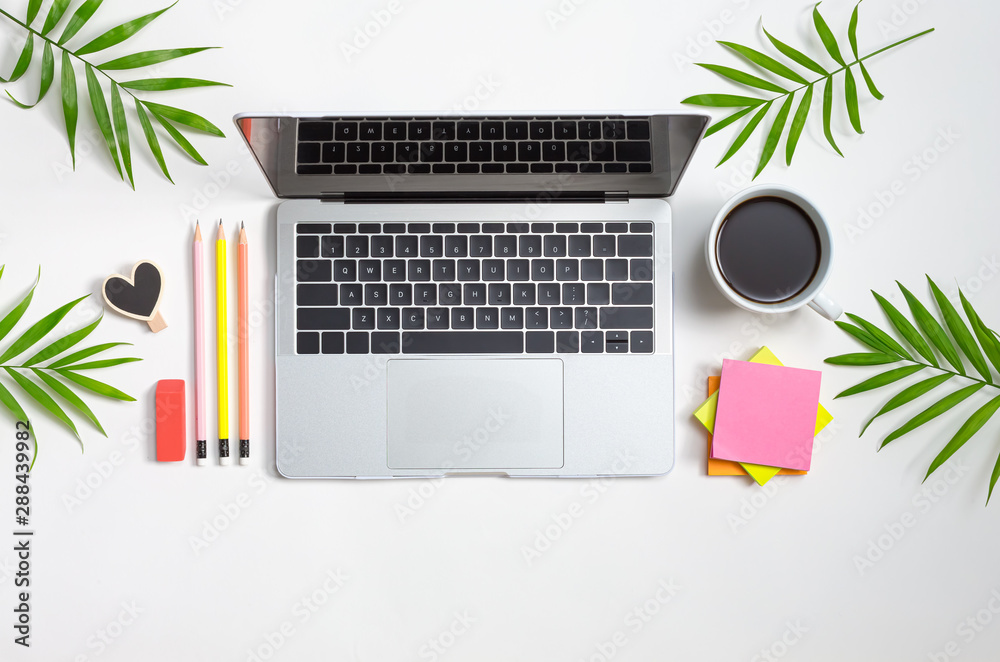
473 294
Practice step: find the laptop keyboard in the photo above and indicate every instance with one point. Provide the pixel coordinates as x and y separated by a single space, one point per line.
493 145
474 288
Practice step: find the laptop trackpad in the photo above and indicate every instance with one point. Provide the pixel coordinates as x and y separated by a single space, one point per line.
475 413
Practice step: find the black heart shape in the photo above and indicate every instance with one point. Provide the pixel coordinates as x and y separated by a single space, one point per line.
138 297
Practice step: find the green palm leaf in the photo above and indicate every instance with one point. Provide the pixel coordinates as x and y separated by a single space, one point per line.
147 58
64 343
69 396
851 96
906 330
932 330
120 33
863 336
56 12
121 131
932 412
765 62
181 141
723 101
960 332
795 55
8 400
36 331
828 114
798 123
743 78
993 479
882 337
69 103
184 117
14 316
93 385
45 82
852 30
969 428
987 339
874 358
161 84
33 7
774 135
880 380
79 19
151 139
722 124
44 399
102 116
103 363
84 353
826 36
23 60
745 133
909 394
870 83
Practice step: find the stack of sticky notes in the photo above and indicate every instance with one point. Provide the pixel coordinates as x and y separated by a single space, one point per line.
761 417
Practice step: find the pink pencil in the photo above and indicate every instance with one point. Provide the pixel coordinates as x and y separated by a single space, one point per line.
199 352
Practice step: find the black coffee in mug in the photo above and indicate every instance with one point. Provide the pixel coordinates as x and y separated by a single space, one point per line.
768 249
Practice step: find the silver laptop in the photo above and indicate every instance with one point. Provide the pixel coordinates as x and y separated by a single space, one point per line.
473 295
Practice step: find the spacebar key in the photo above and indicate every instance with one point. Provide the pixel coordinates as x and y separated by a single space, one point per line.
463 342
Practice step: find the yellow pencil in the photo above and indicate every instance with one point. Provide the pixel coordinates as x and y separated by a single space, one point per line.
222 365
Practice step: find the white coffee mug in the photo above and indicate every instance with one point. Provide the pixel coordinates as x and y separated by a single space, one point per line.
812 294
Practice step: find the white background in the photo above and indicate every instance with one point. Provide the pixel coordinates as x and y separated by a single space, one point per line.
752 571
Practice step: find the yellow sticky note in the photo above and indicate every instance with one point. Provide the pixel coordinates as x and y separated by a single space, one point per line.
705 413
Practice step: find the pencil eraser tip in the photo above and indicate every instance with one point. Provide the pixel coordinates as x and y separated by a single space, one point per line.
244 461
201 461
170 420
225 461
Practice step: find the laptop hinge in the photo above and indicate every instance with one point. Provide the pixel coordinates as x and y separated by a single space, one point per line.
475 197
616 196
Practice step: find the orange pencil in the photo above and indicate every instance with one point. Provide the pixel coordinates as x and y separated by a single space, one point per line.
244 348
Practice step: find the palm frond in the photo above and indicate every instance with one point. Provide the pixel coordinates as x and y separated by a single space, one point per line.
112 123
958 344
768 65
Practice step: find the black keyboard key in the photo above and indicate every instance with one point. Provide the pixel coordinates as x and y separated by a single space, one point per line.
431 152
640 167
346 131
548 294
574 293
312 228
590 167
642 342
637 129
567 342
554 246
357 342
442 228
567 227
542 269
309 153
351 294
601 150
604 245
407 152
565 130
412 318
463 342
640 269
517 168
381 246
529 151
456 245
369 169
616 227
474 294
481 246
493 270
616 270
394 169
590 130
376 294
635 294
406 246
529 245
312 271
541 167
456 152
357 152
487 318
438 318
387 318
315 130
553 151
431 245
395 130
463 318
505 151
468 168
615 167
370 131
592 227
307 246
524 294
505 246
316 295
363 319
443 168
468 130
512 318
332 342
383 152
369 228
419 131
578 151
322 319
385 342
425 295
443 131
492 130
539 342
492 168
480 152
592 342
635 245
400 294
598 294
568 270
628 317
517 270
516 130
536 318
449 294
468 270
566 167
369 271
632 151
357 247
499 294
586 317
306 343
591 270
419 228
518 228
579 245
418 168
334 152
443 270
313 169
561 317
613 129
493 228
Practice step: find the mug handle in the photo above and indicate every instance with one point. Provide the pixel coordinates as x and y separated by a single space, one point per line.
826 306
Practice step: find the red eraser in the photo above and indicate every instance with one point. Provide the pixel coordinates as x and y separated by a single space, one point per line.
170 420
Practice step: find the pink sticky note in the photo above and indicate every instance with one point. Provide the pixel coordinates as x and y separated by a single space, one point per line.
766 414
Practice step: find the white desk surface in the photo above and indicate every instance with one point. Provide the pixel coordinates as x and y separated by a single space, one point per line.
685 567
